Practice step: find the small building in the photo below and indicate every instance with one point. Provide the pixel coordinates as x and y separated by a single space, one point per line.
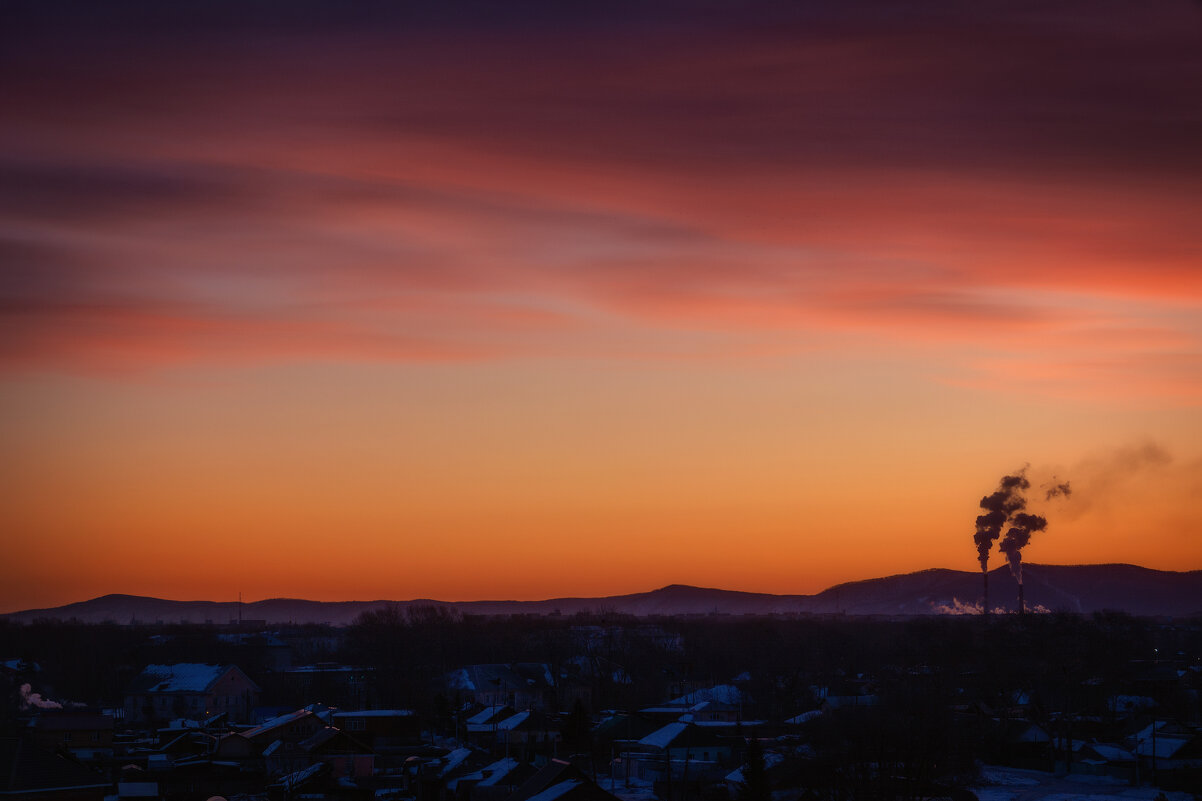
722 703
331 683
85 735
1104 759
385 730
197 691
684 748
1168 746
528 733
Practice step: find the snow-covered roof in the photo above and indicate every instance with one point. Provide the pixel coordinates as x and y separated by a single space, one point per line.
376 713
556 790
454 760
185 677
497 771
485 715
513 722
276 722
488 775
294 780
662 738
1165 746
805 717
1144 736
723 693
1111 752
324 735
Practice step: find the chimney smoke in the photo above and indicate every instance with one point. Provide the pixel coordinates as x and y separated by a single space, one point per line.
1057 488
1023 526
999 507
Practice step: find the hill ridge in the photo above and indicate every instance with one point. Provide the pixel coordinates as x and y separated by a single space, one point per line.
1074 588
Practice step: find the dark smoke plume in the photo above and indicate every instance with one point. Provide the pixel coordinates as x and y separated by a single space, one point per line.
1023 526
1058 488
999 508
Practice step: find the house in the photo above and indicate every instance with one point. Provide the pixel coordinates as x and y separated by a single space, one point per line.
1104 759
528 733
688 749
484 721
384 730
722 703
1168 746
86 735
683 740
162 692
347 686
617 730
716 713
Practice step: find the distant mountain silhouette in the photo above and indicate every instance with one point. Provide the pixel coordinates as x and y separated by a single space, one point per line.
1072 588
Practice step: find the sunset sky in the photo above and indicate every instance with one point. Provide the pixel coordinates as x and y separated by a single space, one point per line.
533 299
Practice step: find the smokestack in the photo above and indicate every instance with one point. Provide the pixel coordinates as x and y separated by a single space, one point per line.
999 507
1019 535
1022 608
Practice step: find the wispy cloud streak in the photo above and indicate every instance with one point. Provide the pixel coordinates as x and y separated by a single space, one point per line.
1017 185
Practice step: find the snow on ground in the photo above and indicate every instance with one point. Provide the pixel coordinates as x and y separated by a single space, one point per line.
1014 784
1010 777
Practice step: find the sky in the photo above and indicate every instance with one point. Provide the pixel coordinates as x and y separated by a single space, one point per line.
541 299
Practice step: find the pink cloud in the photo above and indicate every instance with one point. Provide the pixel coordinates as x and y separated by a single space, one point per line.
407 192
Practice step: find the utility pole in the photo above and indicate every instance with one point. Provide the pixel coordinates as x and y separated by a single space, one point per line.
1153 749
